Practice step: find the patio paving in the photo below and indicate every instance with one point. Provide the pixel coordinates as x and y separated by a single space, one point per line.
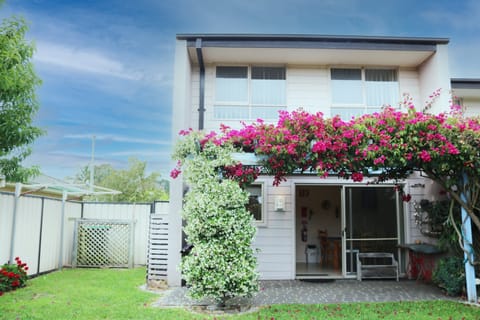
303 292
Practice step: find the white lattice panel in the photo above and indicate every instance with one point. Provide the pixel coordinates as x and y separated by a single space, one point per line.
103 243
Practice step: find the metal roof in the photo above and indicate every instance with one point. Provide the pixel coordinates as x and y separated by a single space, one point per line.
52 185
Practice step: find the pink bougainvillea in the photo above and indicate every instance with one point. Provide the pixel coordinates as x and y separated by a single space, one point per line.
390 143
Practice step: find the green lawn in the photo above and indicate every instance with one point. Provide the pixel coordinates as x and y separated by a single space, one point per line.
114 294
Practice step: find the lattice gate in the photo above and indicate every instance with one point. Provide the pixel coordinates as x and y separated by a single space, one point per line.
103 243
157 250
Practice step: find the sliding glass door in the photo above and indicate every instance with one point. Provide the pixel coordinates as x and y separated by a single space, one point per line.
372 222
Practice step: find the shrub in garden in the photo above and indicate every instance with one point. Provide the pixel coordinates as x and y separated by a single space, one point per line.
13 276
221 264
449 275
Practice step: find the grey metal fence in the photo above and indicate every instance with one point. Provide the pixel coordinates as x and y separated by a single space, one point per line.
36 235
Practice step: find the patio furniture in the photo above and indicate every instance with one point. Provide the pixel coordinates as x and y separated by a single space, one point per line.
376 265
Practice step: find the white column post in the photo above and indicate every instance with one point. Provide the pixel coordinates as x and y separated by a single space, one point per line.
467 244
62 230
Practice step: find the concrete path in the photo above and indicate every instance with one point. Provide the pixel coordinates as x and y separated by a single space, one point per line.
295 291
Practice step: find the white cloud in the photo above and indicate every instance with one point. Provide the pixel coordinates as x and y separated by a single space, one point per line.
82 60
117 138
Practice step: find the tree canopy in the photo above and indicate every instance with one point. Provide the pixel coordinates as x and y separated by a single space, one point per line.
18 102
133 182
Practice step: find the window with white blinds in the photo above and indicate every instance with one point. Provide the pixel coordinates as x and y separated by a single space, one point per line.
232 84
249 92
360 91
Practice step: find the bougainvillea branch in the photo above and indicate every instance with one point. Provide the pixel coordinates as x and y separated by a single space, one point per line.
388 146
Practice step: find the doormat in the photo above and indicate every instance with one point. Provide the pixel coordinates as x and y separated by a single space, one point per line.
318 280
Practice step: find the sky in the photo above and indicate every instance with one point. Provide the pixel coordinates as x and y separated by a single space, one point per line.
107 66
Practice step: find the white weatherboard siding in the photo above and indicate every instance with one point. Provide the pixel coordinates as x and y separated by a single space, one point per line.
409 83
275 241
195 97
210 75
308 88
434 74
419 188
472 107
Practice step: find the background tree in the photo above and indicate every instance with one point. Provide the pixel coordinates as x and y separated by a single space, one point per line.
18 103
133 182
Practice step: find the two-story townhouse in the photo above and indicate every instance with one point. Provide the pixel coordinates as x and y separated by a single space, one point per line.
223 79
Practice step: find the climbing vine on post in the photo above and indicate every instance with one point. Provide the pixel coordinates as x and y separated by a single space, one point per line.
221 264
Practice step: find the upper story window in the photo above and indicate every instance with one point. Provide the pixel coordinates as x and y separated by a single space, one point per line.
245 93
360 91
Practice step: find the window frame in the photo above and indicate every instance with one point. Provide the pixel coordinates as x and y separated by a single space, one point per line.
249 104
366 109
263 221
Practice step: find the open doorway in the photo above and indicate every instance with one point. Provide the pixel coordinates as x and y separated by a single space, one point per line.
318 231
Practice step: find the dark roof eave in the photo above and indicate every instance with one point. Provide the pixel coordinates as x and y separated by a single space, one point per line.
310 38
465 83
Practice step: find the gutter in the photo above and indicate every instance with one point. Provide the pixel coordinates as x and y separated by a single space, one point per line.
312 38
298 41
201 103
465 83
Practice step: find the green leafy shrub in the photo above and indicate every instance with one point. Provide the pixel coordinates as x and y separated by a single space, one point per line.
13 276
449 275
222 264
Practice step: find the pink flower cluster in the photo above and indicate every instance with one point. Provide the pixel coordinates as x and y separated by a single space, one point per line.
176 171
242 174
392 142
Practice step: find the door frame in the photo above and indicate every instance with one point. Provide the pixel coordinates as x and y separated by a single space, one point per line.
400 214
333 181
313 182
